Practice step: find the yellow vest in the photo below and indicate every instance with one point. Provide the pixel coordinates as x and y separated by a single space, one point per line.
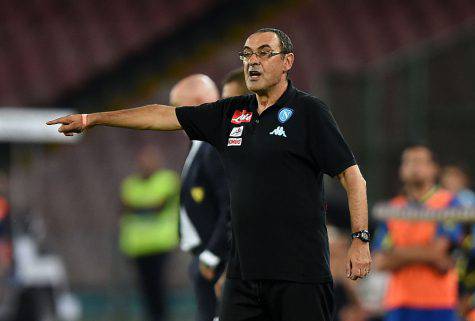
142 230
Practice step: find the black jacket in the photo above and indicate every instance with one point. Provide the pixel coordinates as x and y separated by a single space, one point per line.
205 202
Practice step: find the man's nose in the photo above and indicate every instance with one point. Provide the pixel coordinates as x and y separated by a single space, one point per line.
253 60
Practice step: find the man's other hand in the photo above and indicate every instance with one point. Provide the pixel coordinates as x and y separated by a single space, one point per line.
207 272
218 287
358 261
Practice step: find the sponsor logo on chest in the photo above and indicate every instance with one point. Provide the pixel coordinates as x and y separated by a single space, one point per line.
236 131
241 116
234 141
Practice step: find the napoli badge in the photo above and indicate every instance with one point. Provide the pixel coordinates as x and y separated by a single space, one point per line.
285 114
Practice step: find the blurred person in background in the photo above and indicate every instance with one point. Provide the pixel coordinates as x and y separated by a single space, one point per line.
204 202
5 235
423 280
234 84
455 179
276 145
149 226
35 287
7 304
6 255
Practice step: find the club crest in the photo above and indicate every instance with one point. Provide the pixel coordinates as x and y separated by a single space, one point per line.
285 114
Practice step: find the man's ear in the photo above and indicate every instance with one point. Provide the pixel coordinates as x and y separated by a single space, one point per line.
288 61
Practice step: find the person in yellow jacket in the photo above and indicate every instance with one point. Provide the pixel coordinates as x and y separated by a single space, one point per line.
149 226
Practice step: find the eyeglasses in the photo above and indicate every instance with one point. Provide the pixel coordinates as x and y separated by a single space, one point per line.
245 55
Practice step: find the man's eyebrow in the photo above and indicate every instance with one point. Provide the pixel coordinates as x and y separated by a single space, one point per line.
261 47
264 46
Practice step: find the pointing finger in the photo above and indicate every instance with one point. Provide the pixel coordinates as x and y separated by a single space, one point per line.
61 120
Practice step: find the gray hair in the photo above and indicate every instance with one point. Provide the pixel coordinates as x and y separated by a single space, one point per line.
285 42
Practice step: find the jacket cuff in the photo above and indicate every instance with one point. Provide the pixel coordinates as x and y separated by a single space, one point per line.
208 258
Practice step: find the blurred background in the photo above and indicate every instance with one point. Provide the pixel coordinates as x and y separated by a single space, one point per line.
394 72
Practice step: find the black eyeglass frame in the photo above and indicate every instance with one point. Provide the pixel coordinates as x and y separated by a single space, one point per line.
266 55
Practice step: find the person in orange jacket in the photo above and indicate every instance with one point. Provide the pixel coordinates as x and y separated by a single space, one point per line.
423 282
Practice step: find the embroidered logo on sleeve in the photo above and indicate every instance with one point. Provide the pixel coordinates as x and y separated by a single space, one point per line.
198 194
236 131
234 141
241 116
279 131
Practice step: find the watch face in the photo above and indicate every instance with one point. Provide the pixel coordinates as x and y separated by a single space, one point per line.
364 236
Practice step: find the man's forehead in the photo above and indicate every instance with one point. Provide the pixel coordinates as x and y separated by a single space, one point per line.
260 39
417 153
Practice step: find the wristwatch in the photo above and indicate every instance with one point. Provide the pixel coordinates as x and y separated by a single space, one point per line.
363 235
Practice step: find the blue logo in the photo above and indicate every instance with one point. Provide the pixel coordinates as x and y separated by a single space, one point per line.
285 114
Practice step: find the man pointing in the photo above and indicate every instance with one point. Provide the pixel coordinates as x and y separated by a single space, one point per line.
275 145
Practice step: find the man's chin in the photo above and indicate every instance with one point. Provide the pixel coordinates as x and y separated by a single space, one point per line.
256 87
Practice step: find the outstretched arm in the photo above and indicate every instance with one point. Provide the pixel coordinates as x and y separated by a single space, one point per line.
153 117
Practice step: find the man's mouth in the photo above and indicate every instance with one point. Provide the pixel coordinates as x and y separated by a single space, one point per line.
254 74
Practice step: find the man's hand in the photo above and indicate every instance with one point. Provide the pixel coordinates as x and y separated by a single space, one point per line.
207 272
358 261
70 125
218 287
441 258
444 263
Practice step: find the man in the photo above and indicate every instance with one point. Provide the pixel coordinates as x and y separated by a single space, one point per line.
275 145
204 202
423 282
149 225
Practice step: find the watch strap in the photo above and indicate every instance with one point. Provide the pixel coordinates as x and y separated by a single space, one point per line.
358 235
